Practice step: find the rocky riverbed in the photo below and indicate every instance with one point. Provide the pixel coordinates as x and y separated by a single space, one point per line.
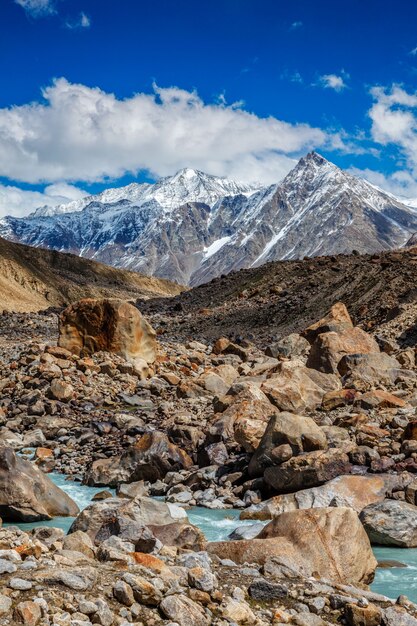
312 440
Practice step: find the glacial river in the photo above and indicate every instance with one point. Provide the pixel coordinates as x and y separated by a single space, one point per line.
218 524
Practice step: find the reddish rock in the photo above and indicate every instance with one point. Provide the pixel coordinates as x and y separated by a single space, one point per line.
383 399
329 348
27 613
339 397
108 325
337 320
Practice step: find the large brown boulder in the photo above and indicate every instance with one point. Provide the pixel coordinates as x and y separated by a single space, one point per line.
27 494
337 320
352 491
307 470
110 325
243 415
297 388
299 432
328 543
244 400
150 458
329 348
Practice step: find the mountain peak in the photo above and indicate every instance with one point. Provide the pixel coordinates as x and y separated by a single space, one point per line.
314 158
187 173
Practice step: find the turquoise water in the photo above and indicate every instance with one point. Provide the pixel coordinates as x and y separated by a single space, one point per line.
394 581
81 494
215 524
218 524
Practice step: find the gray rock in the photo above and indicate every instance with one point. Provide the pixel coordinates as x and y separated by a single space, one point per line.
5 604
391 523
87 607
195 559
264 590
202 579
81 579
7 567
184 611
317 604
246 532
397 616
20 583
123 593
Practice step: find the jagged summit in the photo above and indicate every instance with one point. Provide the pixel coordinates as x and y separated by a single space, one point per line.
315 157
194 226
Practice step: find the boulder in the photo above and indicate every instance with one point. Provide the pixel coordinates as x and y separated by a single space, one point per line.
328 543
379 398
391 523
337 320
328 349
109 325
301 433
295 387
60 390
150 458
27 494
141 521
307 470
361 371
244 402
249 432
291 346
183 611
351 491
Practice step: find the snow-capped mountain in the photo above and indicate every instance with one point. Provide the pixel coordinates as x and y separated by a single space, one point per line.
192 226
187 185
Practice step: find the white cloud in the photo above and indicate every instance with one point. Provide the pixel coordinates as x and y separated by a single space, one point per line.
413 52
19 202
394 124
296 25
401 183
393 116
83 133
37 8
333 81
83 21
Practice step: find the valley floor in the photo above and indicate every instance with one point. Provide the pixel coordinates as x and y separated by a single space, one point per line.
312 433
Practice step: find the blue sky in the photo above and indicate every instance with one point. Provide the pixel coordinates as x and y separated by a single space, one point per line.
102 92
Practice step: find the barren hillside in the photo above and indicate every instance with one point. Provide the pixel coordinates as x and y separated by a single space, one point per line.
278 298
32 279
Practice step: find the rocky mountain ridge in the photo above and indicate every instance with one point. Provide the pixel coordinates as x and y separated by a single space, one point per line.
192 227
